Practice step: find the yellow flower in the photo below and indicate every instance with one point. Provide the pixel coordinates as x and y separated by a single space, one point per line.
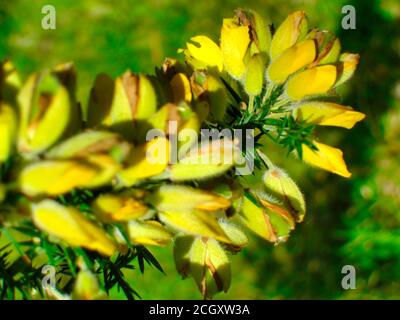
327 158
69 225
292 30
201 52
292 60
235 40
328 114
314 81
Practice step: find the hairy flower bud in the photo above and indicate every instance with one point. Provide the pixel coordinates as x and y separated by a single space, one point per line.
209 267
8 131
116 207
118 104
69 225
45 113
266 218
86 287
149 233
280 185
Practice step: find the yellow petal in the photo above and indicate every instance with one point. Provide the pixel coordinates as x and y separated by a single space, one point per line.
205 52
181 89
327 158
8 131
235 40
113 207
146 161
314 81
55 177
328 114
293 29
174 198
149 233
107 169
292 60
69 225
195 222
347 66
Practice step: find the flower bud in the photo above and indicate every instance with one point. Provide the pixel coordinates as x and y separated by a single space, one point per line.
280 185
292 30
55 177
45 113
209 267
182 246
87 287
254 76
8 131
117 105
326 157
194 222
69 225
185 199
181 89
87 143
217 97
115 207
266 218
210 159
235 234
149 233
66 75
145 161
314 81
259 31
327 114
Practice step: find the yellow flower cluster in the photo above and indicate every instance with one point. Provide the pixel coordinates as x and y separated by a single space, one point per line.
136 185
308 64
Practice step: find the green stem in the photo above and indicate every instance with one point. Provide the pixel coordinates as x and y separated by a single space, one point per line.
266 160
251 104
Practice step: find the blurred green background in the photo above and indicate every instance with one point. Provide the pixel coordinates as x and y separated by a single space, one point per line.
349 222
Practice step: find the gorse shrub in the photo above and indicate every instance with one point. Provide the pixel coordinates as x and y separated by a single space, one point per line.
86 190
